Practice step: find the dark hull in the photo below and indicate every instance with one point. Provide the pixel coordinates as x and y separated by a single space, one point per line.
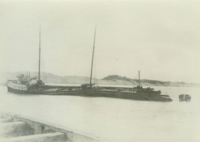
10 89
77 91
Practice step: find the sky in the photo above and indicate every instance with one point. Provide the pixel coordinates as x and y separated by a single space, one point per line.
159 38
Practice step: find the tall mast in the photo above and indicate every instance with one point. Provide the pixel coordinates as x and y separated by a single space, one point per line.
39 53
139 77
92 58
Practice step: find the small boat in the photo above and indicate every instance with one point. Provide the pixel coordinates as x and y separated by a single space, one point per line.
184 97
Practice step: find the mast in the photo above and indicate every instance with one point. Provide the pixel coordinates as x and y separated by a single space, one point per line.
139 77
92 57
39 53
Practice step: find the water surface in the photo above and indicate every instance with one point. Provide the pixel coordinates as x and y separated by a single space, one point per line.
113 120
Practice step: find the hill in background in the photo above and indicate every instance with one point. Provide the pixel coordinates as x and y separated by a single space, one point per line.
147 82
49 78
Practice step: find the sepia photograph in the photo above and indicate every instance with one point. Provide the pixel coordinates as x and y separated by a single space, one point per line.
99 71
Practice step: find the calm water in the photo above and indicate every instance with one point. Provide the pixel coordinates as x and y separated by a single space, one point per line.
113 120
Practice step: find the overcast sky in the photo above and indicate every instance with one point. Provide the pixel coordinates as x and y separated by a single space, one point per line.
160 38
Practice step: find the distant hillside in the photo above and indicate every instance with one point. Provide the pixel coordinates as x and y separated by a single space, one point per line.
49 78
146 82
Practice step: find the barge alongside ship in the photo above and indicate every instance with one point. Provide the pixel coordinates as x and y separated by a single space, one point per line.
136 93
27 85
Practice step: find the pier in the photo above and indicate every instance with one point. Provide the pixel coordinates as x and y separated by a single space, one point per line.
16 128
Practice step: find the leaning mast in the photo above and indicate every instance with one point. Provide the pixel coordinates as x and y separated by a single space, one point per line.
139 78
39 54
92 58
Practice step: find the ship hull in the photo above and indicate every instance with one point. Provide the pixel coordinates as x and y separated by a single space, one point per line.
17 88
10 89
77 91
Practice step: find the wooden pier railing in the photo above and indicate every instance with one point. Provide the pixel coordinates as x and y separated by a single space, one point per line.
17 128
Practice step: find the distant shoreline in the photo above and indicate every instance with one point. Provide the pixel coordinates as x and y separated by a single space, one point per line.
111 80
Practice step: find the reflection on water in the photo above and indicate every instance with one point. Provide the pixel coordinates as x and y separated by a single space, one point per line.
115 119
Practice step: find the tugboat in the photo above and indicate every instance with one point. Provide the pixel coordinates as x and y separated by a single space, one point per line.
27 85
24 83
